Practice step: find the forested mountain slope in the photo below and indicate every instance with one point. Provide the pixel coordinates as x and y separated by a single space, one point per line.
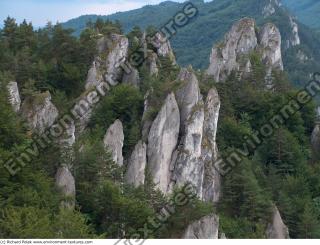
308 11
193 42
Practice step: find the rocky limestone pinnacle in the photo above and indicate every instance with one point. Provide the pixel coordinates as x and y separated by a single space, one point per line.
270 46
277 229
14 96
66 184
209 152
205 228
113 141
135 174
188 95
39 112
233 54
162 141
163 46
239 41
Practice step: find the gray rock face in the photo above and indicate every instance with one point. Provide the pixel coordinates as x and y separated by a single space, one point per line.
151 63
295 38
223 236
68 138
118 51
113 141
302 56
315 142
135 174
163 46
162 141
270 46
66 184
14 96
94 77
132 77
194 160
233 54
205 228
238 42
146 122
188 166
188 95
107 66
270 8
277 229
39 112
209 155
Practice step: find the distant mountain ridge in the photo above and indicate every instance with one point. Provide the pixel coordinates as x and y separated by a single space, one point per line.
193 43
307 11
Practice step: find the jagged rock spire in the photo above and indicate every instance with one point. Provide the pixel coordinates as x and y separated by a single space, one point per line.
162 141
233 54
39 112
113 141
277 229
14 96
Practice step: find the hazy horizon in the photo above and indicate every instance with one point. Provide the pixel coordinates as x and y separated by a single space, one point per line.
39 12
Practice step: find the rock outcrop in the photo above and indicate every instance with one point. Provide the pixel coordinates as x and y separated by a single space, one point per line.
294 38
194 159
209 152
315 142
14 96
162 141
233 54
131 76
94 77
163 46
107 66
188 167
39 112
113 141
188 95
270 8
240 41
117 54
66 184
135 174
146 121
270 46
277 229
151 63
205 228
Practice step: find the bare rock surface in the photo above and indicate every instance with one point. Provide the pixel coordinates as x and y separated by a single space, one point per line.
209 152
39 112
277 229
162 141
66 184
135 174
205 228
270 46
188 95
163 46
113 141
233 53
14 96
239 41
